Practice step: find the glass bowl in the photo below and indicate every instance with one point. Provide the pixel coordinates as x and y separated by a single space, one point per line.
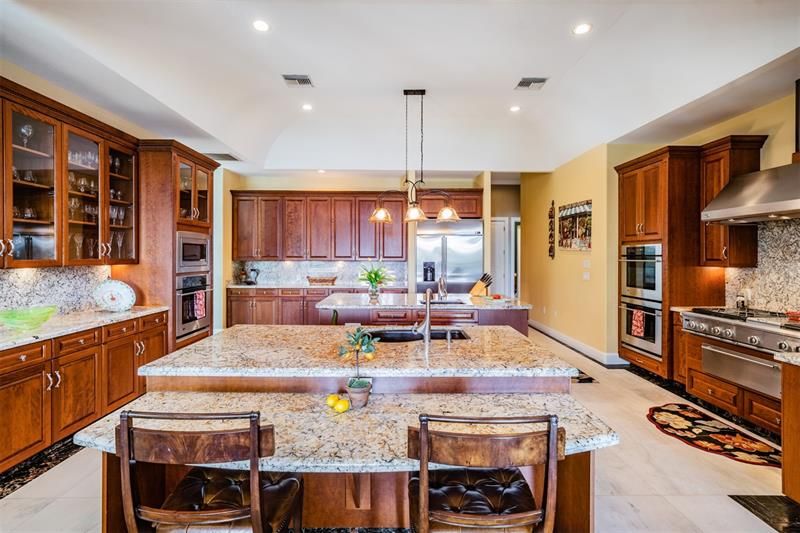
28 318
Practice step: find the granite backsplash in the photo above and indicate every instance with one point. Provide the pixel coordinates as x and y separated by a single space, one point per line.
69 288
775 284
295 272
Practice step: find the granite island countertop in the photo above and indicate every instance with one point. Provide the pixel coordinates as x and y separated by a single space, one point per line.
71 323
415 301
307 285
312 351
310 437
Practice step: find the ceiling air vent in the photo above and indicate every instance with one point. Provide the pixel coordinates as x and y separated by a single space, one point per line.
530 84
297 80
222 157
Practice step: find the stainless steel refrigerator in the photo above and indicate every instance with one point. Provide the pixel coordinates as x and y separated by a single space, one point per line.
455 248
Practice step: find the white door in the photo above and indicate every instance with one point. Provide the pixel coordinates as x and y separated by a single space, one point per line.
500 258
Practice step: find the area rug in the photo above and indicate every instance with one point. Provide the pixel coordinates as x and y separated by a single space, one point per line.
702 431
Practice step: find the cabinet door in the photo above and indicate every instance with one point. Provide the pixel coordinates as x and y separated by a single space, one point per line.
344 228
88 218
33 188
202 196
678 354
25 416
320 228
120 380
312 313
629 205
76 392
292 311
121 197
266 311
245 228
268 245
468 205
432 204
366 231
652 180
240 311
154 346
393 235
294 228
185 177
714 176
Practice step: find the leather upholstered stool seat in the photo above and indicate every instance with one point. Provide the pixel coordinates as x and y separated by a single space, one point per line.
475 491
206 489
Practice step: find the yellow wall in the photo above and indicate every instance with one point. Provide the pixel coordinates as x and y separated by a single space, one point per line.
505 200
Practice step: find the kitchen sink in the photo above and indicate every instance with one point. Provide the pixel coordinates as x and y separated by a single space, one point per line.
406 335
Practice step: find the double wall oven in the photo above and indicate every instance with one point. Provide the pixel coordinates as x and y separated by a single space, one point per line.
641 299
193 284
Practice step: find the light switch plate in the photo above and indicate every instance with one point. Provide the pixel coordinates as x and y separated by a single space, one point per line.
587 263
585 276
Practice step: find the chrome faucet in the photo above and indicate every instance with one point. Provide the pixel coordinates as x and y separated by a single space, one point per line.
442 287
426 324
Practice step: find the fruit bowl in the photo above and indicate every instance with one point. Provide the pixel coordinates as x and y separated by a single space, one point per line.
28 318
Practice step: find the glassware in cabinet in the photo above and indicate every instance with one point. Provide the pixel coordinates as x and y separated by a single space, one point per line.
202 195
85 205
31 235
121 238
185 191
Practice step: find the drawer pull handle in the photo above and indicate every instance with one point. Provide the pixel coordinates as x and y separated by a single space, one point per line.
58 375
81 341
23 357
124 330
711 392
778 421
49 381
158 321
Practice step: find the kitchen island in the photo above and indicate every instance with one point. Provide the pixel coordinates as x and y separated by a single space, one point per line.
456 309
355 464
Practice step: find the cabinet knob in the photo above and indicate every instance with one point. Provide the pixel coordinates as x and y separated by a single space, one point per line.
711 392
23 357
124 330
778 421
81 341
158 321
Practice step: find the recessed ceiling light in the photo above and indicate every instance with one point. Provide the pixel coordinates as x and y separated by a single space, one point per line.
321 171
260 25
514 108
582 28
307 107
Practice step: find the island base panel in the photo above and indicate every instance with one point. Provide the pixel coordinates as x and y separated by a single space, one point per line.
376 500
381 385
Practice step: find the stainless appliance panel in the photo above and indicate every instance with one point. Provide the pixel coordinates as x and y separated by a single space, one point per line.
641 271
193 252
430 253
193 300
751 372
648 340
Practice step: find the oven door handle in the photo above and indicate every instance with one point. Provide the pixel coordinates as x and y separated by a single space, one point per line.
658 314
626 260
736 356
181 293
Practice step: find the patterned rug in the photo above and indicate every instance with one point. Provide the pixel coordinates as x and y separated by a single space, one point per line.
702 431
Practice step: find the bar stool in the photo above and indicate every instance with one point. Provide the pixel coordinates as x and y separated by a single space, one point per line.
488 491
207 499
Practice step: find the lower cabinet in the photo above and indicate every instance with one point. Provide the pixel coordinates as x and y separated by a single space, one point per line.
121 382
292 310
25 415
76 391
153 346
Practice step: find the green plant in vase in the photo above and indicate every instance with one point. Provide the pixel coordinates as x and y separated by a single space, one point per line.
359 343
375 276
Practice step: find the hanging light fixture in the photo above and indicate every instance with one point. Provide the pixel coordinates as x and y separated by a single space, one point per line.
414 191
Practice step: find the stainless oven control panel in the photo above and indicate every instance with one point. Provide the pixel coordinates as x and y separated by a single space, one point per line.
755 335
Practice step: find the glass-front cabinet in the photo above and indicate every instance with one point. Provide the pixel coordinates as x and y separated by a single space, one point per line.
121 194
85 204
194 194
32 189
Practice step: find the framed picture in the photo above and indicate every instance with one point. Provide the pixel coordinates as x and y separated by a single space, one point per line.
575 226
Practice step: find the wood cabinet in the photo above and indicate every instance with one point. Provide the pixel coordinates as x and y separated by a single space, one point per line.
292 310
393 236
256 228
678 349
641 202
25 416
468 203
294 228
76 392
320 228
366 231
266 310
193 183
253 306
720 161
762 411
153 346
119 371
343 228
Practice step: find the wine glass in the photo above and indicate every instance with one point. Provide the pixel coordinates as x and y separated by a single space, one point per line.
27 132
114 213
117 164
78 238
90 243
119 237
74 205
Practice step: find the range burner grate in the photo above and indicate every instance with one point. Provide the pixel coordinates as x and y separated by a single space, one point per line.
736 314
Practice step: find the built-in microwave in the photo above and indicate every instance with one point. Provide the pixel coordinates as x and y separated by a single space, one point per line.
641 271
194 252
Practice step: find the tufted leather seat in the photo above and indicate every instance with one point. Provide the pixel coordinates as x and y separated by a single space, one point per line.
475 491
217 489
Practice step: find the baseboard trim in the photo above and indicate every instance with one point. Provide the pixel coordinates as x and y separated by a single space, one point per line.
607 359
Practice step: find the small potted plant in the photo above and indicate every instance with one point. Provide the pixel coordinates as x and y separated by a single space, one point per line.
375 276
359 342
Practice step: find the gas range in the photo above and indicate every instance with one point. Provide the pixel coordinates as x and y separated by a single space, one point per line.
766 331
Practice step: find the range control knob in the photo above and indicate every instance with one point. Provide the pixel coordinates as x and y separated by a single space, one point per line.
716 330
783 345
752 339
691 324
701 327
729 333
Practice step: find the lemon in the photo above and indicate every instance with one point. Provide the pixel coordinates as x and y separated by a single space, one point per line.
332 399
369 356
341 406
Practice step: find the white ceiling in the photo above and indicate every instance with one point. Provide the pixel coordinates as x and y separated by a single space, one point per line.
197 71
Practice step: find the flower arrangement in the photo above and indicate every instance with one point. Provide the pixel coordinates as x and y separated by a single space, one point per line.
375 276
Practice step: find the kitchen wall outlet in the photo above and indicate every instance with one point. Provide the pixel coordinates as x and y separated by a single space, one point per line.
587 263
585 276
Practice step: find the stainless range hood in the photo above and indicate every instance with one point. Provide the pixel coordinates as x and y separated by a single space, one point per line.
761 196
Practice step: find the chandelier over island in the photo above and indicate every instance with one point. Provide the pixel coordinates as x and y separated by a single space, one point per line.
414 190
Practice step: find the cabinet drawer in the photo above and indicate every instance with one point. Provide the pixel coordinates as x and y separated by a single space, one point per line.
152 321
642 361
316 292
291 292
266 292
714 391
119 330
77 341
16 358
388 316
762 411
241 292
450 317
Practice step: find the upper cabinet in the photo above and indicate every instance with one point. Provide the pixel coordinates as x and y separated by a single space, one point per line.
121 196
721 160
194 193
468 203
86 205
641 202
32 188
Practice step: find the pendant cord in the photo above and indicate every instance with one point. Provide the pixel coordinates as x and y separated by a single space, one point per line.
421 137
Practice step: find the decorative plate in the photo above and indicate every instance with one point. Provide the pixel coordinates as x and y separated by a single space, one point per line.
114 295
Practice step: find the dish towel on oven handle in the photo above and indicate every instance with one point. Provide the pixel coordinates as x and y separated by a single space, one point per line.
200 304
637 323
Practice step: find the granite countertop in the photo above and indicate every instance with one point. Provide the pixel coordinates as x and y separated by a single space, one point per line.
789 358
71 323
306 285
310 437
413 301
301 351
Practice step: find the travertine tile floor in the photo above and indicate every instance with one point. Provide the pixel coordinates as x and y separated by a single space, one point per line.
650 482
